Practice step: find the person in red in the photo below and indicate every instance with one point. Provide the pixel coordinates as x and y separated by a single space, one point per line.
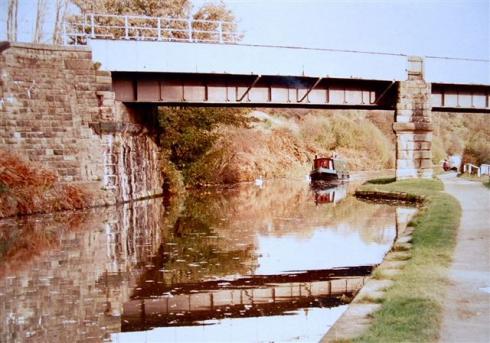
445 165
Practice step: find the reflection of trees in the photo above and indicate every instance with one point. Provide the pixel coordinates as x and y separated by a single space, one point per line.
215 233
192 251
285 208
24 239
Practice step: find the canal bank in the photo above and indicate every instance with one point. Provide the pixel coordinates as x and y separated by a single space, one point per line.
411 308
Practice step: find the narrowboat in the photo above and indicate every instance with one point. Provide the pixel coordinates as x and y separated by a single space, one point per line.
328 169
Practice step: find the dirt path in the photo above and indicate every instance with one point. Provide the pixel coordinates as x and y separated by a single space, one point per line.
467 304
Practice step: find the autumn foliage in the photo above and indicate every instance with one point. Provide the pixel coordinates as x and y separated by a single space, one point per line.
28 189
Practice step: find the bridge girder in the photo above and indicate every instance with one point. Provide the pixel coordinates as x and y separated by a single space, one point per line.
252 90
197 89
447 97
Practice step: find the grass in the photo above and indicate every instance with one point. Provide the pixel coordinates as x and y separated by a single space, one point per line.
382 181
412 309
485 179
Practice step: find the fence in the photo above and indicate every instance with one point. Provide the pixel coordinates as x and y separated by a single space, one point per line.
469 168
485 169
77 29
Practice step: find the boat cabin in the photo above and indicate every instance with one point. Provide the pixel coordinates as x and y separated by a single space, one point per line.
323 162
330 163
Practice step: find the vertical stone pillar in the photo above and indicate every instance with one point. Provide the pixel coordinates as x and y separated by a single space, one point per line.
412 125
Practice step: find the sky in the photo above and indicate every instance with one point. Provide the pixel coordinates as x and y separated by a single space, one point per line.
455 28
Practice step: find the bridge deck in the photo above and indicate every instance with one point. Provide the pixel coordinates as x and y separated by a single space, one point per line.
207 74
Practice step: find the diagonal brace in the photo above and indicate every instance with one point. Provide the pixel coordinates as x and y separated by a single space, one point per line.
381 96
250 87
310 89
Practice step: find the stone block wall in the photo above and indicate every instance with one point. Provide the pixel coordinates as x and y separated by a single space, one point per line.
58 110
413 127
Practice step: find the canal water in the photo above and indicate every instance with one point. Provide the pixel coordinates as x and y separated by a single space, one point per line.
275 263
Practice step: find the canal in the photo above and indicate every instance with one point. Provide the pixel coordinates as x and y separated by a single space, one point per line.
277 263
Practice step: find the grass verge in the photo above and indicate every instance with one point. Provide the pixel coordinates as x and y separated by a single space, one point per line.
485 179
412 309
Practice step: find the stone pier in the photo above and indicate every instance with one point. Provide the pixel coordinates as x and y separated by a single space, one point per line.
412 125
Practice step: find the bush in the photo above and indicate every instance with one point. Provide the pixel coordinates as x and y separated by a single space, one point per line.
28 189
213 146
466 134
477 150
438 151
189 133
361 143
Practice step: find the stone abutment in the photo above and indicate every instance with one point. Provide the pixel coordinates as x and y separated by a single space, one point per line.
59 111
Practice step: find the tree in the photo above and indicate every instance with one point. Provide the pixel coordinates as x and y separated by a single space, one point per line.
174 20
154 8
220 18
40 17
13 7
61 6
188 133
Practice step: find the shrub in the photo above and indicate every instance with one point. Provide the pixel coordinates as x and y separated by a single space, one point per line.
28 189
189 133
465 134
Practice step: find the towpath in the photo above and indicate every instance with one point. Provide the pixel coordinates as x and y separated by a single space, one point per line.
467 304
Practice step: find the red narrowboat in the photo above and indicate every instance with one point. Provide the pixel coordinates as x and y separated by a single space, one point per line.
328 169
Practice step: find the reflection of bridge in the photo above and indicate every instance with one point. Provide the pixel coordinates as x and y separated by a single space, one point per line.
189 304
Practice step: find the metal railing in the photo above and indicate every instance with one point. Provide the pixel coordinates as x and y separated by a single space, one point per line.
77 29
469 168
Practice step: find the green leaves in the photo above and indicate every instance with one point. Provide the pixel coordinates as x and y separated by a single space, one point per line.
188 133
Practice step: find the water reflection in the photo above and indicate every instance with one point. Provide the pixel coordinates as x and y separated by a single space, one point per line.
224 260
195 304
329 193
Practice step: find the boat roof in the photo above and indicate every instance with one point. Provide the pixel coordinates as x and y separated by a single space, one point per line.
329 158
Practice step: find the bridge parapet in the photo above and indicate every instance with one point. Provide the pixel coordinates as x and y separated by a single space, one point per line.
79 28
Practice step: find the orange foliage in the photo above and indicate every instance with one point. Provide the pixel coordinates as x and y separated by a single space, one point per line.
27 189
25 239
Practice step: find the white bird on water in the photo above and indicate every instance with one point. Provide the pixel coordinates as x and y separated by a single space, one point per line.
260 181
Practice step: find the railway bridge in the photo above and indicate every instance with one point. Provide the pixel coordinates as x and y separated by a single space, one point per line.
209 74
88 110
